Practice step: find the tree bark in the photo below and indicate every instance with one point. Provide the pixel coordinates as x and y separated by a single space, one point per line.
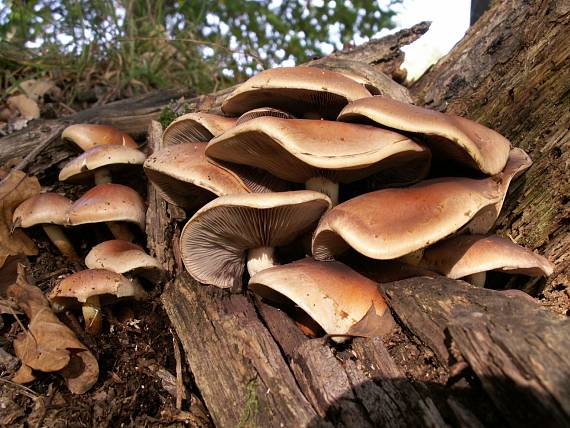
511 72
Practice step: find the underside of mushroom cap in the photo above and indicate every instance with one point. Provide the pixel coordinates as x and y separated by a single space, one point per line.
196 128
95 282
297 90
87 136
186 178
297 150
123 257
391 223
45 208
107 203
107 156
464 255
263 112
447 135
216 239
339 299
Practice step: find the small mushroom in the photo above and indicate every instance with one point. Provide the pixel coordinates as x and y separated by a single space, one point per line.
318 153
123 257
340 300
215 241
447 135
110 203
50 211
196 128
306 92
470 256
99 161
87 136
391 223
93 288
263 112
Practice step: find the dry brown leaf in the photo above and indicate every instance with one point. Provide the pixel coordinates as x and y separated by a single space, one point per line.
13 191
27 107
23 375
49 345
37 88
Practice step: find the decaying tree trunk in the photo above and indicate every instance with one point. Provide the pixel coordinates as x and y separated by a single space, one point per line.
461 356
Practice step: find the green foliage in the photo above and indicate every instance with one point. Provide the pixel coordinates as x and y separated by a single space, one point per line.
164 43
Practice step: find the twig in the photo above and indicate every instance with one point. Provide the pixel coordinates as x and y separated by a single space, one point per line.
179 382
47 404
30 393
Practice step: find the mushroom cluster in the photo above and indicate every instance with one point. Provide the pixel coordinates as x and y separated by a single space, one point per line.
441 179
112 265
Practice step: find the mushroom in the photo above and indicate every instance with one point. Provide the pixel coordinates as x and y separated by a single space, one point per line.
110 203
392 223
99 161
185 177
303 91
318 153
470 256
93 288
49 210
262 112
215 241
196 128
123 257
449 136
340 300
370 87
87 136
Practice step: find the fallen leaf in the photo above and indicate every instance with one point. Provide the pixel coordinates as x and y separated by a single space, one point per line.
23 375
48 345
37 88
14 190
27 107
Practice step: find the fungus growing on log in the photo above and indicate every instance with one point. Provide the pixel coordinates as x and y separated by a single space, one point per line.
87 136
196 128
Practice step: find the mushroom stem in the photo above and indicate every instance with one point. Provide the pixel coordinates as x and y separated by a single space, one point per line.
102 176
259 259
324 185
414 258
476 279
92 315
58 238
120 231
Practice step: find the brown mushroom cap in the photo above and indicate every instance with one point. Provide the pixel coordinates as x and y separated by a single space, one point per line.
123 257
185 177
448 135
45 208
84 284
391 223
341 300
106 156
464 255
298 90
263 112
370 87
196 128
87 136
216 239
484 221
297 149
107 203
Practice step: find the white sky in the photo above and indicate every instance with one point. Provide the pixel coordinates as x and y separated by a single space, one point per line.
450 21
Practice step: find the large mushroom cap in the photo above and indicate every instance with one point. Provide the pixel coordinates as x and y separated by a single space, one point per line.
297 150
465 255
106 156
341 300
45 208
448 135
84 284
185 177
107 203
298 90
196 128
215 240
391 223
87 136
122 257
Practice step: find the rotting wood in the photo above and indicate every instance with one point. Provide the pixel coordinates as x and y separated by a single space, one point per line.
511 72
517 350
